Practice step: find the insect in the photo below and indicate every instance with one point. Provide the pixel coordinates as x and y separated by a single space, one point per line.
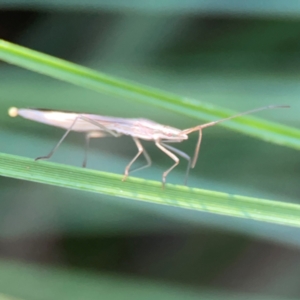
96 126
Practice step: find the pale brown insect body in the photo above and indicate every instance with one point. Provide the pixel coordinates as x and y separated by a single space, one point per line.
96 126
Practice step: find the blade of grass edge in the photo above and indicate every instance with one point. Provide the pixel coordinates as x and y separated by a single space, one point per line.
150 191
85 77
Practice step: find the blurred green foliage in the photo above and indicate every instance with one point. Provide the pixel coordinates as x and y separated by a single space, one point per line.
235 61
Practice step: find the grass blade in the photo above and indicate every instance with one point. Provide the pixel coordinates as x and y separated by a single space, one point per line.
85 77
150 191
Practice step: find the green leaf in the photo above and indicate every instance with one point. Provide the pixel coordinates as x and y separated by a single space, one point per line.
150 191
97 81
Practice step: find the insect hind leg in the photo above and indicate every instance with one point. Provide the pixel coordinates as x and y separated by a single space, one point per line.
101 127
59 142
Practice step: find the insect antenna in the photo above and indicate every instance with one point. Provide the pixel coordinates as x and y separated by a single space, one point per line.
200 127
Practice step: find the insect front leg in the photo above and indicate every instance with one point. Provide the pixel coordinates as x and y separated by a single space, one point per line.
197 149
171 155
183 155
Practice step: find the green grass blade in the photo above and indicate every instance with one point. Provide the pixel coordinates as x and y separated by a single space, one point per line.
150 191
100 82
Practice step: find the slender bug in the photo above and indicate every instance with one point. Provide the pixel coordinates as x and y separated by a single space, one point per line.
96 126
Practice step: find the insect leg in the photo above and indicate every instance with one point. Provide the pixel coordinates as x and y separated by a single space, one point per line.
183 155
88 137
115 134
197 149
60 141
102 127
170 154
95 134
141 150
